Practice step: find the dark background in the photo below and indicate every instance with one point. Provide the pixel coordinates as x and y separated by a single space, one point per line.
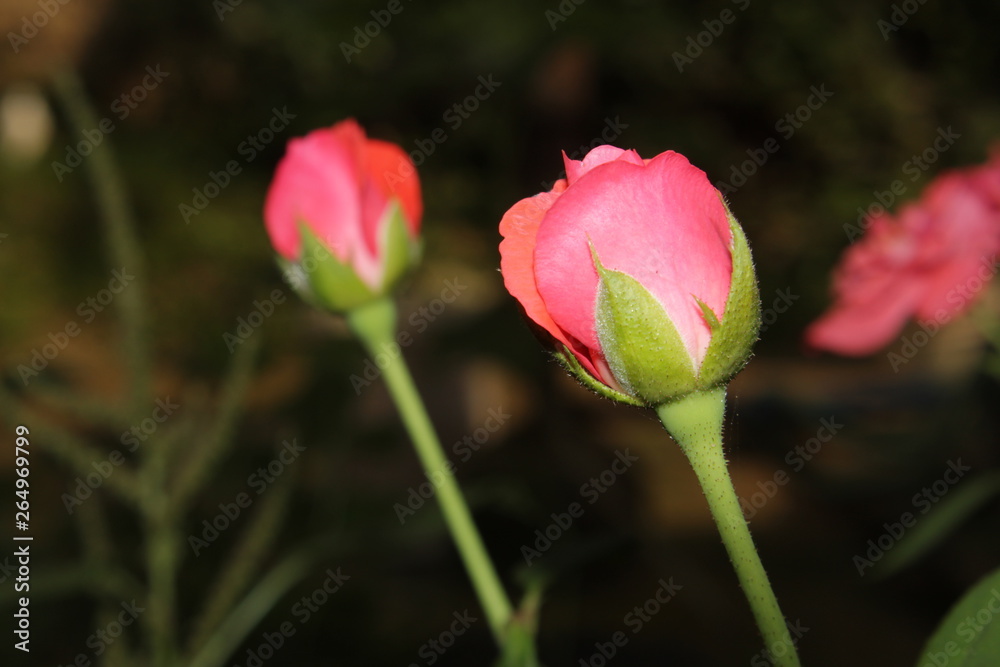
561 84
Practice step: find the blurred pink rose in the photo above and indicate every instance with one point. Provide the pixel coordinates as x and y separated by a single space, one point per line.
344 187
928 262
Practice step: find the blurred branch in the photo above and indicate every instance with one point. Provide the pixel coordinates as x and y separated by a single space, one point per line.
97 546
70 449
123 246
257 603
100 580
160 519
94 532
219 439
93 411
940 523
244 562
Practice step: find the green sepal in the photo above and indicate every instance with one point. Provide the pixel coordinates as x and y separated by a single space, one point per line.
734 336
334 285
708 314
401 251
331 284
640 342
576 369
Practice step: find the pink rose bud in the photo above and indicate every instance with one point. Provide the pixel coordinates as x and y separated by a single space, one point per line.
343 212
637 272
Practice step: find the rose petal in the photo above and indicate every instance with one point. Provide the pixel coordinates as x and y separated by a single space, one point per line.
315 183
662 223
596 157
519 228
391 170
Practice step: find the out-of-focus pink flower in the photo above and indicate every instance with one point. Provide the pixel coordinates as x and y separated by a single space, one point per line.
359 198
928 263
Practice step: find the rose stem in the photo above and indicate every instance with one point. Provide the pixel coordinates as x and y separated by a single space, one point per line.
695 422
375 325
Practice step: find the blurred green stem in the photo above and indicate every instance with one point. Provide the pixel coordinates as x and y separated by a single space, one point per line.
123 245
245 616
695 422
162 547
375 325
159 516
244 562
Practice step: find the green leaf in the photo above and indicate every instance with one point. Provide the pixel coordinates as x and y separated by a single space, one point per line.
640 342
967 637
940 522
733 340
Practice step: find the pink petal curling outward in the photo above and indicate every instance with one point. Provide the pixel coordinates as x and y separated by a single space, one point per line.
519 228
340 184
928 263
660 221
